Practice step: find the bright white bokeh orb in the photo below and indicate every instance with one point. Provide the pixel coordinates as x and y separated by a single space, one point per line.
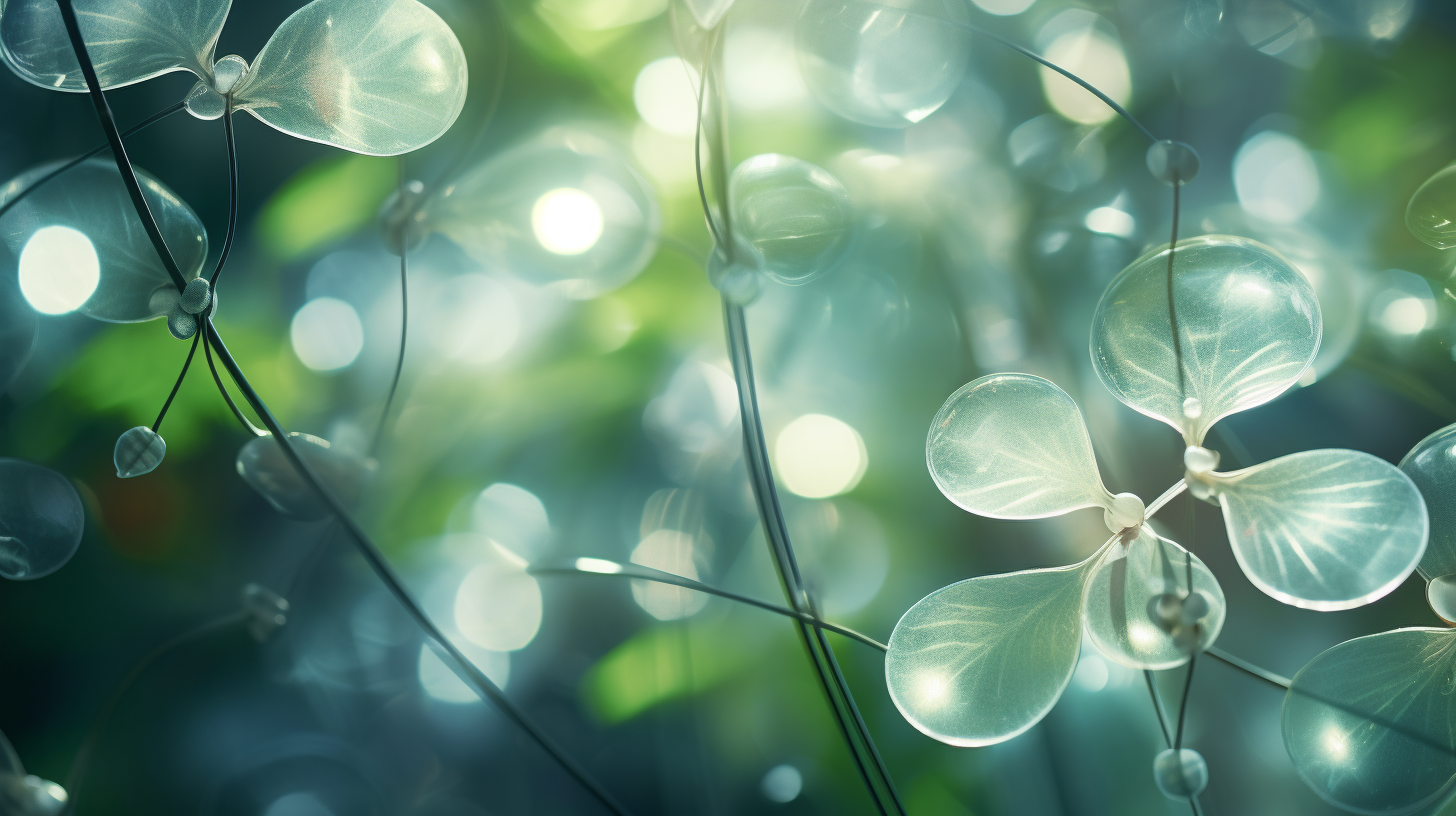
665 93
1275 177
567 221
498 605
1078 44
327 334
782 783
58 270
817 456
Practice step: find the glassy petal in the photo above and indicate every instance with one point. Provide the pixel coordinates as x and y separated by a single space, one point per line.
266 469
40 520
128 40
1248 326
790 217
99 226
1369 723
1431 465
1138 608
379 77
1324 529
1014 446
1431 214
980 661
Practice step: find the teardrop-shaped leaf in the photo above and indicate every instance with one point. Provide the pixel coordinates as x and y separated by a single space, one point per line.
1324 529
980 661
378 77
80 229
1431 465
138 452
1139 611
1370 723
128 40
1248 326
1014 446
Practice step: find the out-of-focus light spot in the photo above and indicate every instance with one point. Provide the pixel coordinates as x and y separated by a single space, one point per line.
1404 315
600 15
666 98
299 803
1003 8
1403 305
1275 177
498 605
326 334
58 270
763 70
782 783
514 518
1091 673
598 565
674 552
817 456
1336 744
698 409
567 221
1111 221
667 159
1091 54
444 685
475 319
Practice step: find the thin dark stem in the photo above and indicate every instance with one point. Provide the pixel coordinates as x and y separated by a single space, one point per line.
232 222
638 572
1183 705
222 389
1158 707
403 329
1248 668
186 364
135 129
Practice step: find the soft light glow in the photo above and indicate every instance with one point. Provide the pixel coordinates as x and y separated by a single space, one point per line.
762 68
444 685
1111 221
567 221
1275 177
475 319
1097 58
666 98
598 565
498 605
326 334
783 783
1404 315
817 456
674 552
1091 673
58 270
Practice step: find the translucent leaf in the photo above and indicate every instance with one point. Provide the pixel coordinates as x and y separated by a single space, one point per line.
791 218
1369 723
1138 608
267 469
707 13
1014 446
40 520
128 40
1431 465
1431 214
90 199
1248 326
138 452
1324 529
980 661
564 209
379 77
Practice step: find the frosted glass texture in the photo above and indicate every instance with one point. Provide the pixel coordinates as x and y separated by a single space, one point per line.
128 40
91 199
138 451
1369 723
379 77
1431 214
1248 326
1136 612
40 520
267 469
1014 446
1324 529
887 64
1431 465
791 218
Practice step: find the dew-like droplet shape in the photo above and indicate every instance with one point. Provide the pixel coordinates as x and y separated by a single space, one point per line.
1199 461
401 219
498 604
1323 529
40 520
196 296
1248 326
378 77
887 64
267 469
227 72
1180 773
1369 723
1139 611
1192 408
181 325
128 40
204 102
1125 511
1441 595
564 209
92 200
980 661
1014 446
267 611
1431 465
740 283
1173 163
138 451
1431 214
791 218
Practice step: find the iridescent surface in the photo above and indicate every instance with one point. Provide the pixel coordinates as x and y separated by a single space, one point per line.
980 661
1248 326
1323 529
584 244
1431 465
264 466
1180 773
1431 214
40 520
379 77
1014 446
128 40
138 451
790 217
1369 723
91 199
888 64
1138 610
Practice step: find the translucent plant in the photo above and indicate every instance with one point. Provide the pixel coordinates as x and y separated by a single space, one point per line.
262 464
23 794
40 520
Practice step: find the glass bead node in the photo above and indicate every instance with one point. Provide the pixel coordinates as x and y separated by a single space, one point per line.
268 470
791 218
227 72
1200 460
204 102
1441 595
1173 163
138 451
739 283
181 325
1180 773
1126 511
41 520
196 296
1431 214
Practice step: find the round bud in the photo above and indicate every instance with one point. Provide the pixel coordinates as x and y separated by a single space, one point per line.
1180 773
138 451
1173 163
1125 511
1441 595
181 325
739 282
1200 460
196 296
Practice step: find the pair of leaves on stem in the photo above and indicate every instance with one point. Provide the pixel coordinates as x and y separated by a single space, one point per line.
379 77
